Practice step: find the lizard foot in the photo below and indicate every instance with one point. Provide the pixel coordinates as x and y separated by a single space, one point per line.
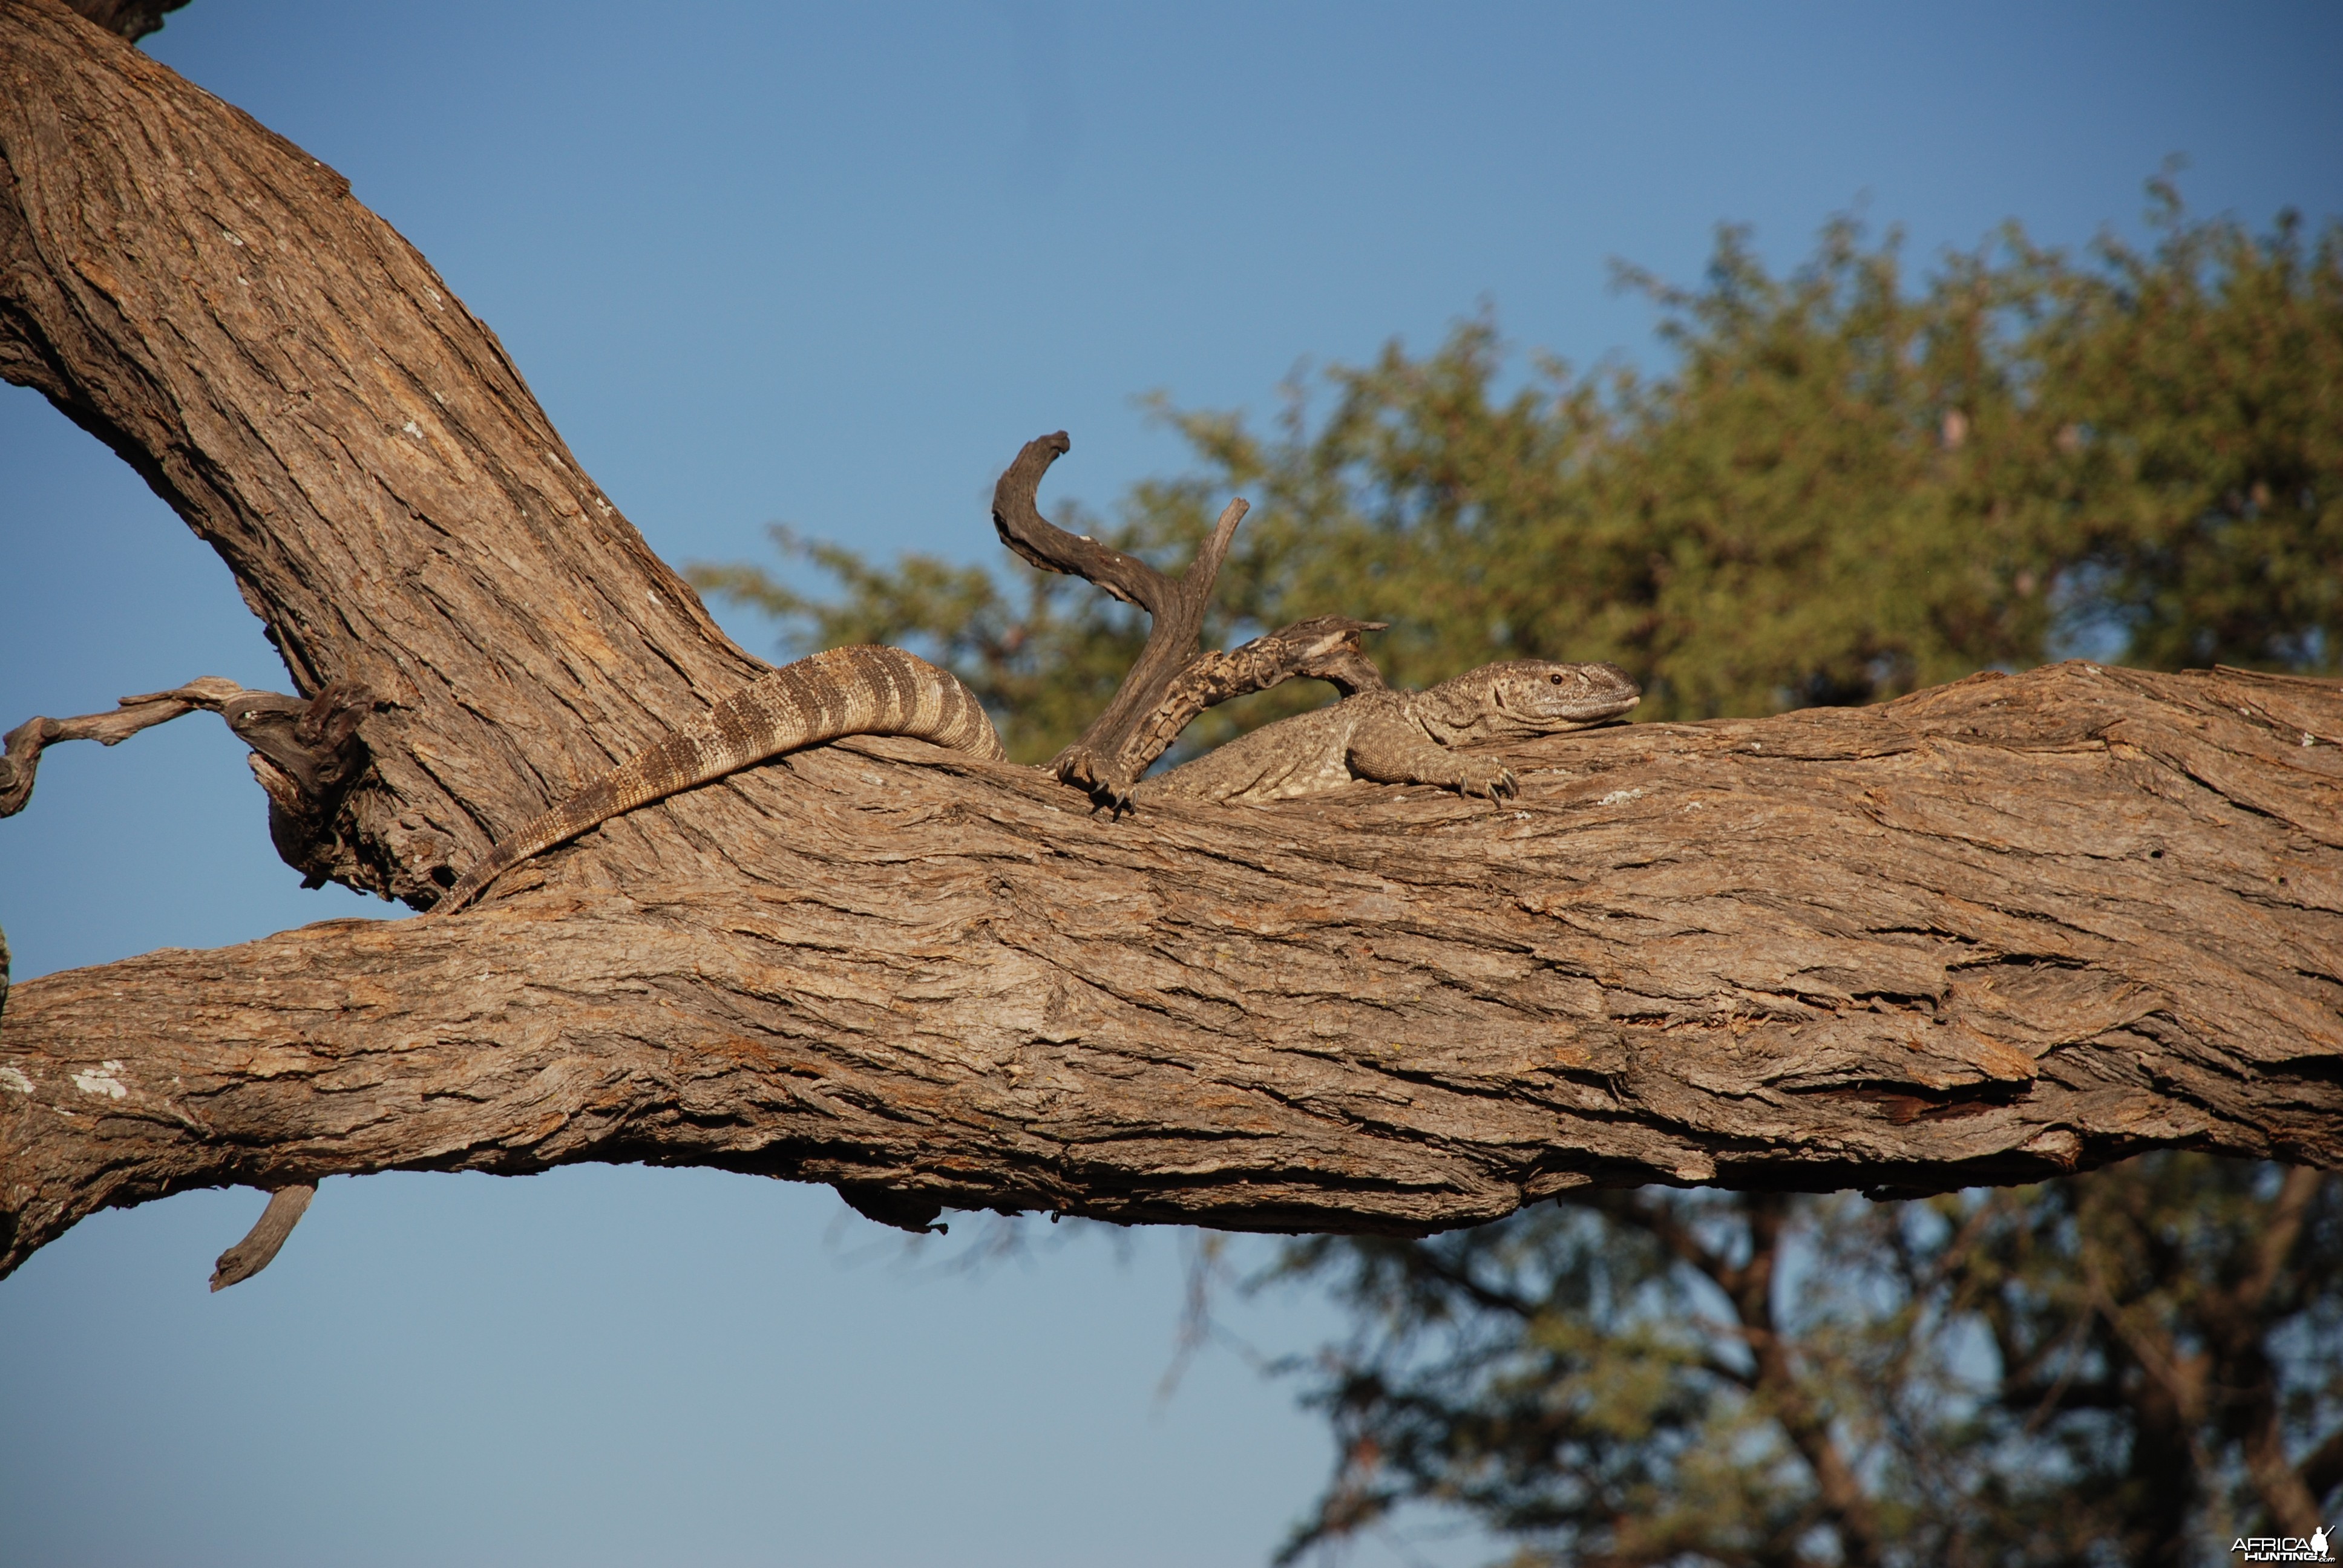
1499 785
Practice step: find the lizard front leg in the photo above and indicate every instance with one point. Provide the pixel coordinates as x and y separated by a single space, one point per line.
1388 749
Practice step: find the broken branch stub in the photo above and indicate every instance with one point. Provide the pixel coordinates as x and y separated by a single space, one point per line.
265 1238
25 743
1175 606
306 750
1170 682
131 19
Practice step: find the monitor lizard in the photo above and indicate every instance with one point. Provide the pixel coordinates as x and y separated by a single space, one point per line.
1404 737
1387 737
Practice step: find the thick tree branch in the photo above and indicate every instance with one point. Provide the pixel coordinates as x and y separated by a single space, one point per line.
1995 930
2074 914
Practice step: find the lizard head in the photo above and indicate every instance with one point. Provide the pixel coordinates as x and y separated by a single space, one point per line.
1524 697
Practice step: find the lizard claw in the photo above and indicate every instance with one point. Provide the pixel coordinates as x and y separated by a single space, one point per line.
1497 786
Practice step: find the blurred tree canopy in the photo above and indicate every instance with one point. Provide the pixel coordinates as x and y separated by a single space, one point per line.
1848 483
2135 1366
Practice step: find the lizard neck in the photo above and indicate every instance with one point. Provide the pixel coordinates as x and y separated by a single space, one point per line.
1441 714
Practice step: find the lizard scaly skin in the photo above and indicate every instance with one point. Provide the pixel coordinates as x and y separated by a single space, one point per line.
845 691
1403 737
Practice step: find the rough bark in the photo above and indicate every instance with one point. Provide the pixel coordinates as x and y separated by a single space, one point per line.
2002 928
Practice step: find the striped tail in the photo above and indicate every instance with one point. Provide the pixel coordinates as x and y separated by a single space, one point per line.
861 690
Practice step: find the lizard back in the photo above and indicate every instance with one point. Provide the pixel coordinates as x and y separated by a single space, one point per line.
1404 738
863 691
1303 755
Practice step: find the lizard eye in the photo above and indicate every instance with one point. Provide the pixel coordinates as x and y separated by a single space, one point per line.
1556 677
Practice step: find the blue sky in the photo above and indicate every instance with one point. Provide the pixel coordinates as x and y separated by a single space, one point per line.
831 267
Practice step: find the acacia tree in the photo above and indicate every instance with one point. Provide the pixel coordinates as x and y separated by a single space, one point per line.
1994 930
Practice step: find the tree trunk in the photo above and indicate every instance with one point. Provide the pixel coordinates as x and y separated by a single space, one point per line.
1995 930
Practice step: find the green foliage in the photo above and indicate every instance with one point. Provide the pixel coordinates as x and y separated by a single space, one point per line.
1847 486
2133 1366
2204 382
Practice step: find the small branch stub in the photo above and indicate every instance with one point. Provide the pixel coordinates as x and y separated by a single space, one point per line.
25 743
267 1237
305 751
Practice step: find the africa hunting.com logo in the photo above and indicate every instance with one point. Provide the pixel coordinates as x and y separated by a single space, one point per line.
2311 1548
